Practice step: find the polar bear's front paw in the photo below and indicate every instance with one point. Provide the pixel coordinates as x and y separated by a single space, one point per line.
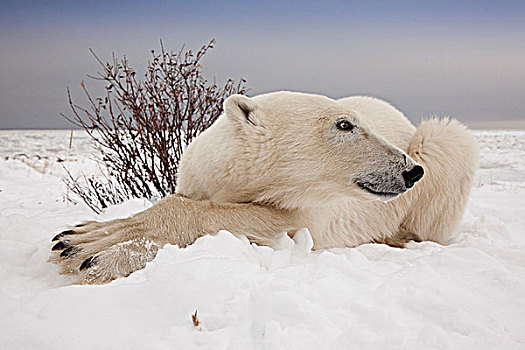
101 252
119 260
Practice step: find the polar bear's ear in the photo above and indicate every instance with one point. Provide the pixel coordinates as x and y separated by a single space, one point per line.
241 108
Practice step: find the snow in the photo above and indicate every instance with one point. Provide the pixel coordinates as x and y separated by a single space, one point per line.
467 295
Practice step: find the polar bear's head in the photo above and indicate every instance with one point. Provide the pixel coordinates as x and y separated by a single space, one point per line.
299 149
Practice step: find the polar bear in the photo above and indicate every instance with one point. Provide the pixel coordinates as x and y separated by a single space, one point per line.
352 171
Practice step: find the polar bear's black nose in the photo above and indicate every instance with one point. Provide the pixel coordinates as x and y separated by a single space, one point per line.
413 175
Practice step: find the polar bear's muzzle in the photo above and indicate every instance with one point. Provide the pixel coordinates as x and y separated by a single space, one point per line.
389 185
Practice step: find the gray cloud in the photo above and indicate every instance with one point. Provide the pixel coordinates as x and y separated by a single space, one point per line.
473 75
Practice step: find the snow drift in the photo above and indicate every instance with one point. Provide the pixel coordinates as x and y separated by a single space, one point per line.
466 295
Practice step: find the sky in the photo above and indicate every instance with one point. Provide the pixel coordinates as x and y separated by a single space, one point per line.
464 59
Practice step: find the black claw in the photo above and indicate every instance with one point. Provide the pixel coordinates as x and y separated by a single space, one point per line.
92 260
80 225
70 251
62 234
60 246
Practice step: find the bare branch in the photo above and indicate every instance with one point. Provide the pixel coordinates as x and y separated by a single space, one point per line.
141 127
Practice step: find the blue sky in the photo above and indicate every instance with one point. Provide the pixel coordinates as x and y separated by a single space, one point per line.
464 59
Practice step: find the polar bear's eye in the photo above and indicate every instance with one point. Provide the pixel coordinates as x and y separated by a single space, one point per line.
344 125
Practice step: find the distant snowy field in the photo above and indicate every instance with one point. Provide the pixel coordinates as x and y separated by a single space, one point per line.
467 295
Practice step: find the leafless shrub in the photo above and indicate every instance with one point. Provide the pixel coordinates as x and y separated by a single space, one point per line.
141 127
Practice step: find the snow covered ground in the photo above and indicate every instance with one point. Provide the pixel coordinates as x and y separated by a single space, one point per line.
467 295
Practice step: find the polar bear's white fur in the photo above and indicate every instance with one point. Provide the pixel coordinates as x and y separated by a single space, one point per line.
350 170
282 149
